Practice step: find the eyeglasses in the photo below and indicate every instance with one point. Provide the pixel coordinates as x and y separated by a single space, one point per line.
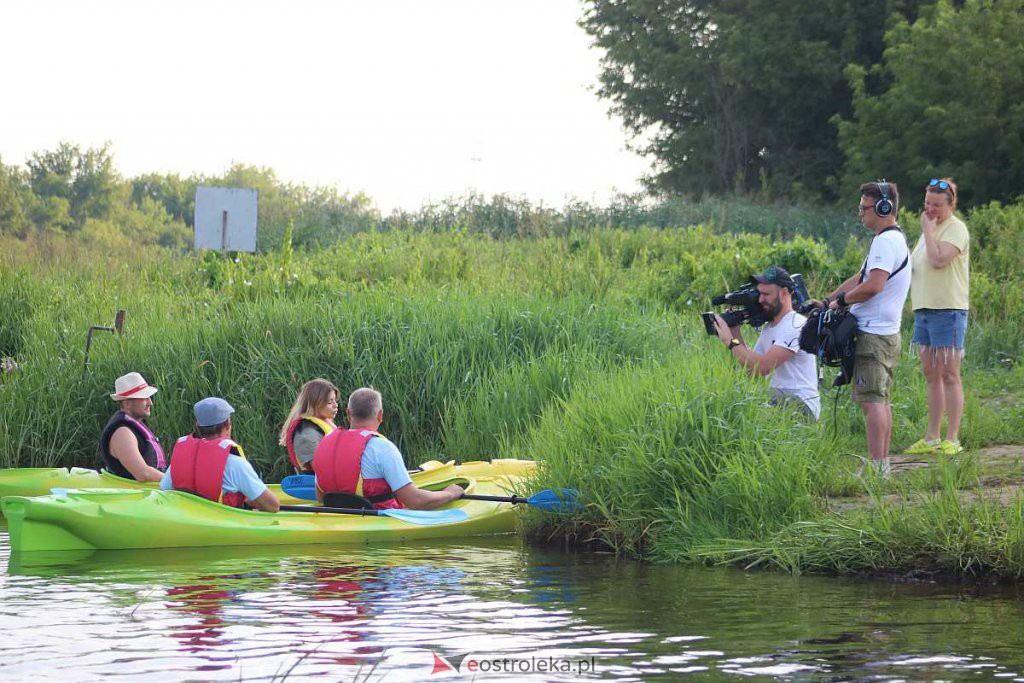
942 185
861 208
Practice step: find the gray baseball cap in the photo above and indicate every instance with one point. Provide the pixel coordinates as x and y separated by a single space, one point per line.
212 411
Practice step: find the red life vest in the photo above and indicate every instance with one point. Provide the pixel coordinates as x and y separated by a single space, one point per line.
289 440
197 465
338 461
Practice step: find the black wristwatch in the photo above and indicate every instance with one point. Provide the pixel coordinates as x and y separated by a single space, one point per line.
841 299
733 343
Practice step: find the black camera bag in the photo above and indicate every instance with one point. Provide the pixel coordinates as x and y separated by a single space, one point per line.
832 337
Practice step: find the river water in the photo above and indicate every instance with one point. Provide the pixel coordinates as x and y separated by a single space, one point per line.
490 610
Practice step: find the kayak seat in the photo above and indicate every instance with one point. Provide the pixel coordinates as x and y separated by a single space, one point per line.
338 499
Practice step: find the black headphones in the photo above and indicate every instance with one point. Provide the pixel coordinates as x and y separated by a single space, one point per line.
884 205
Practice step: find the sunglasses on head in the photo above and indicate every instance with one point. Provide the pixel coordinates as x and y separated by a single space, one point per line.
941 184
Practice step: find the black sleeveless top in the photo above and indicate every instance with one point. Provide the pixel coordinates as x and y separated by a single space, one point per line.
112 464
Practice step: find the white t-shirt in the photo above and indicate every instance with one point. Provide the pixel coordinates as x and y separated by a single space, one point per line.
881 313
798 376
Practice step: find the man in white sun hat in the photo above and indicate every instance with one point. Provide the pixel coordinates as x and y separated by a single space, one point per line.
128 446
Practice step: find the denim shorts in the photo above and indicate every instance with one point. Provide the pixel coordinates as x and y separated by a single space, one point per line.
940 328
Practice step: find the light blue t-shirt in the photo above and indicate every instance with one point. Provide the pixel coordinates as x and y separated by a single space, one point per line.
239 476
383 460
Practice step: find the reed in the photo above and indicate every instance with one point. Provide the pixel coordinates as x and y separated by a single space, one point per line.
427 351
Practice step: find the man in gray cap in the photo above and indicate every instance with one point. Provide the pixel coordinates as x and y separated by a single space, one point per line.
211 465
777 351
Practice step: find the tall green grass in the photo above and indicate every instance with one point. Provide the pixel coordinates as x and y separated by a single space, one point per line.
678 452
427 353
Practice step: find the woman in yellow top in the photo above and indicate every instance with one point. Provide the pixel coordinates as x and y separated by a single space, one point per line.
939 296
310 420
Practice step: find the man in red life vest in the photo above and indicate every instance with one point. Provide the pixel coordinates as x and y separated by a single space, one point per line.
128 446
213 466
362 462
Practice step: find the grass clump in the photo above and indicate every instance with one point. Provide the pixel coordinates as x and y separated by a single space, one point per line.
677 453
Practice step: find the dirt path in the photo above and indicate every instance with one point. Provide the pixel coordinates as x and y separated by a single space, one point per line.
1000 471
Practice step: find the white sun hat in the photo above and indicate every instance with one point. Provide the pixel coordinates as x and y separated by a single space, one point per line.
131 385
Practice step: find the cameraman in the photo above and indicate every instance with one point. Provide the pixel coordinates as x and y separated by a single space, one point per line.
777 351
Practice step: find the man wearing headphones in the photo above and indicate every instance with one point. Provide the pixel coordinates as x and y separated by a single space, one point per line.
876 296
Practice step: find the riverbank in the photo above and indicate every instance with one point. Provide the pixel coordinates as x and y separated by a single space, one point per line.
713 475
583 351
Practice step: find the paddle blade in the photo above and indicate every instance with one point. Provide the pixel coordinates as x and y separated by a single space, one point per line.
556 500
427 517
301 486
419 517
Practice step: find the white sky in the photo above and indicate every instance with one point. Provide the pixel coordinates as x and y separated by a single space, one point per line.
408 101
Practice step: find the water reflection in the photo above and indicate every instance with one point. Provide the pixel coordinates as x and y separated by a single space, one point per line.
385 613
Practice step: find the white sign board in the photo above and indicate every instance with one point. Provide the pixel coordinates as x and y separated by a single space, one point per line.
225 219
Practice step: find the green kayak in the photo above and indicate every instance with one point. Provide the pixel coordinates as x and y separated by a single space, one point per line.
38 481
106 519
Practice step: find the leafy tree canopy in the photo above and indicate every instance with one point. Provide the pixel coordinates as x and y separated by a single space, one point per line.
952 105
85 179
736 95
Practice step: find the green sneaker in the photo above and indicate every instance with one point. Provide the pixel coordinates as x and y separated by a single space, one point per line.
922 447
948 447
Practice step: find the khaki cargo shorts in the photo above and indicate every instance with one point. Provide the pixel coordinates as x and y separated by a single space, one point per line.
873 363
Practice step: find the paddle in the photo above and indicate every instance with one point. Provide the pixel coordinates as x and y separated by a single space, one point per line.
554 500
421 517
303 486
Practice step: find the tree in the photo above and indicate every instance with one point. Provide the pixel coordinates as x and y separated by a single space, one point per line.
178 196
950 104
735 95
14 201
85 179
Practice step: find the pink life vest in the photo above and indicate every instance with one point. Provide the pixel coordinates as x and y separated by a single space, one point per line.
197 465
338 462
161 460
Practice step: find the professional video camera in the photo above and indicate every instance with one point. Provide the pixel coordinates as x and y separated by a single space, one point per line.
745 306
